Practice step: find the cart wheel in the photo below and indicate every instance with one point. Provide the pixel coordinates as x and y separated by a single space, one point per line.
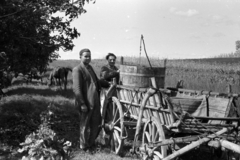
153 132
113 125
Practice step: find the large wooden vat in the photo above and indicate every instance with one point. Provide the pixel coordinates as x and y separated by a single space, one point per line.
139 76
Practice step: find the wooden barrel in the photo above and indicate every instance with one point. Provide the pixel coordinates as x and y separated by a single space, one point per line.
139 76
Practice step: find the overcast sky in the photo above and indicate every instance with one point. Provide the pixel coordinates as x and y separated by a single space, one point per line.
171 28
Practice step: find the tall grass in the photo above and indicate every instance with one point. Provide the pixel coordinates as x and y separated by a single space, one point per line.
196 74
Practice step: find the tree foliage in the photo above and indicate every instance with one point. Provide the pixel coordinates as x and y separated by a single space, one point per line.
32 31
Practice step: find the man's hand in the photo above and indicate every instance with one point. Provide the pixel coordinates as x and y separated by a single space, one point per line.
84 108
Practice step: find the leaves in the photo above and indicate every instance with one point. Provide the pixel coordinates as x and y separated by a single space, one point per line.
33 30
44 142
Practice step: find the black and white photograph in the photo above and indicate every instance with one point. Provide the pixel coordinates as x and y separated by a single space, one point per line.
119 80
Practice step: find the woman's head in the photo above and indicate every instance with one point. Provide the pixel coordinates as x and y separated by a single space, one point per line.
111 58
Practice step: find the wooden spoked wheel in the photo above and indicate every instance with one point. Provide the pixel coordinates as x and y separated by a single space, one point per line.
113 125
153 132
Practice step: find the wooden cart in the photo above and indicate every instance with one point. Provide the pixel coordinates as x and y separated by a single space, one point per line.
166 123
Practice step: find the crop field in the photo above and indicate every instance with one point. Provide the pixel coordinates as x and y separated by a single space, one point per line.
199 74
23 105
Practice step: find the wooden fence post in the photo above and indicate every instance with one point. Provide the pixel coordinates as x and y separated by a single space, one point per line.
229 88
121 60
165 63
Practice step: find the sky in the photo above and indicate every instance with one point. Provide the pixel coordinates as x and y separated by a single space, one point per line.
171 28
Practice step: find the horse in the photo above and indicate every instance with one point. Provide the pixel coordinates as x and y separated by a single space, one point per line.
59 75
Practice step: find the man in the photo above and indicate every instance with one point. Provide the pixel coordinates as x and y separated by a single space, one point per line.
110 71
86 87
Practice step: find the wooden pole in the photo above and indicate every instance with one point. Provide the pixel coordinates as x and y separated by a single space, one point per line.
194 145
114 81
229 88
208 125
226 144
156 99
178 140
230 146
121 60
165 63
149 93
206 92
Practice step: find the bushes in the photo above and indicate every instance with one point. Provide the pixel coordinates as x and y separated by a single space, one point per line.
20 116
44 142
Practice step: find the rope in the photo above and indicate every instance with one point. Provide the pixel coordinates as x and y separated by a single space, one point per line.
146 52
140 51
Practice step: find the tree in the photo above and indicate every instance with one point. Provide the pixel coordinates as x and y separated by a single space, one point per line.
32 31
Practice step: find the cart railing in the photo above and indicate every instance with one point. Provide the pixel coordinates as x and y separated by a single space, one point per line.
210 104
132 99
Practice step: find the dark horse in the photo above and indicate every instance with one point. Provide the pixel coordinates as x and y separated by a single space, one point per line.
59 75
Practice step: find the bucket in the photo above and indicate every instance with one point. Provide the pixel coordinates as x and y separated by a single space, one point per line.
139 76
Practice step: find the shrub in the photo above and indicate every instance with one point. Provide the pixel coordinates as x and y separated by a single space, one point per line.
44 143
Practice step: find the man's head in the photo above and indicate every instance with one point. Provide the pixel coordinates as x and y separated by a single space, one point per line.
85 56
111 58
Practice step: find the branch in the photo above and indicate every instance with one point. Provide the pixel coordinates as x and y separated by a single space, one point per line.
11 14
15 12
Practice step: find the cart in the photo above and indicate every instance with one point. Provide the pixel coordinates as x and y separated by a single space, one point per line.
166 123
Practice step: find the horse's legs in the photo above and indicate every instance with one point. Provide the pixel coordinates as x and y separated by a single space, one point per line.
55 81
60 82
65 82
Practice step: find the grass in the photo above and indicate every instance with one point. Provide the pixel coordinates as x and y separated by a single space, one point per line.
20 111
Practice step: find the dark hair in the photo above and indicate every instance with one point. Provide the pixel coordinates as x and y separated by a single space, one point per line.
84 50
110 54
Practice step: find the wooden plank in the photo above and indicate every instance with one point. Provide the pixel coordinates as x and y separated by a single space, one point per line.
216 118
165 118
194 145
161 117
204 92
231 146
156 115
144 90
209 124
177 140
131 98
219 107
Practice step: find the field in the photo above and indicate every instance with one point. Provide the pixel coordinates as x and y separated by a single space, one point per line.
20 110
